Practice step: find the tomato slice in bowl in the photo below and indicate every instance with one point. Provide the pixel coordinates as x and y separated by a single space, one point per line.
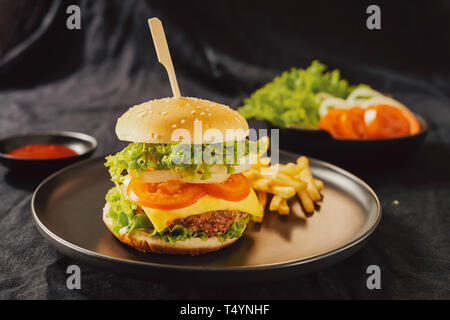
164 195
384 121
414 125
352 124
236 188
331 122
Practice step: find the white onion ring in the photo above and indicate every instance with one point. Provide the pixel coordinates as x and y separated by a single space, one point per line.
331 102
218 174
354 99
363 92
322 96
243 165
382 100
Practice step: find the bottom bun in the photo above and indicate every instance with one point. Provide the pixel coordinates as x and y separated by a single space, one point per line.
142 241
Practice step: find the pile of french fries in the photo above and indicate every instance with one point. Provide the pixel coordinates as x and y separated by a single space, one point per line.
284 182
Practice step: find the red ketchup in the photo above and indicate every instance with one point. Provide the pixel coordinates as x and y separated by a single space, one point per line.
42 151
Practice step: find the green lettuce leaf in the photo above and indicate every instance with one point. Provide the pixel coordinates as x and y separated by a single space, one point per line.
236 229
122 213
291 97
185 159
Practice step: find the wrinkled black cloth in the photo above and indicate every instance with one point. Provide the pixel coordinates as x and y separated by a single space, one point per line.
82 80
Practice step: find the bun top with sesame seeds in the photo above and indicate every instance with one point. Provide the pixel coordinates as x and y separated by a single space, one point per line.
172 120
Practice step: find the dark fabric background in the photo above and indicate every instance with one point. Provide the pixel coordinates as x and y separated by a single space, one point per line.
83 80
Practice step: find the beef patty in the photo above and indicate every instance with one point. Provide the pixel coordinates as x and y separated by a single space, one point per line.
213 223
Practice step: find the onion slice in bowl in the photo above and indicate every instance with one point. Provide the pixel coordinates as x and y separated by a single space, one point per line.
367 98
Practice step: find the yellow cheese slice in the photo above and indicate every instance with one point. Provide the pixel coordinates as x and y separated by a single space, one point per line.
161 219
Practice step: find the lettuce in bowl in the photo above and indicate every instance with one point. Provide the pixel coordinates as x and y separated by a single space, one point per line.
291 97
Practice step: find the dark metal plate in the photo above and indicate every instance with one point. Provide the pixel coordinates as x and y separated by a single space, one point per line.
67 208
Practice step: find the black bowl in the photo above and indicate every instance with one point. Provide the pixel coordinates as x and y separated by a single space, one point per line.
348 153
83 144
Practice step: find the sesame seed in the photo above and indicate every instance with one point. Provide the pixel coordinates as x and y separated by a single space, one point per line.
174 126
209 114
202 113
164 113
183 121
193 111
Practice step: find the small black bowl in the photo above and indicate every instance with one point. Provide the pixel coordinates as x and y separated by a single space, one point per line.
348 153
83 144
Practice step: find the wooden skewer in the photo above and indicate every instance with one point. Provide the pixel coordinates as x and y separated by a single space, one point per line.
162 51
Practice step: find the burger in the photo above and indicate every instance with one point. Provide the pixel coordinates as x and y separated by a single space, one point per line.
179 187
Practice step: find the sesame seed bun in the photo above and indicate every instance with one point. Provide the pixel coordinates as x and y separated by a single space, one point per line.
158 121
142 241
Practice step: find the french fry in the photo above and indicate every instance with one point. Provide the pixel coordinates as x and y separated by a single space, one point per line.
319 184
305 175
284 192
275 203
252 174
307 202
269 171
302 163
289 169
284 182
311 189
284 208
262 185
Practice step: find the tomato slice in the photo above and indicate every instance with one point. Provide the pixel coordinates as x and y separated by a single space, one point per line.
351 123
330 122
414 125
165 195
175 194
380 121
325 123
236 188
384 121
